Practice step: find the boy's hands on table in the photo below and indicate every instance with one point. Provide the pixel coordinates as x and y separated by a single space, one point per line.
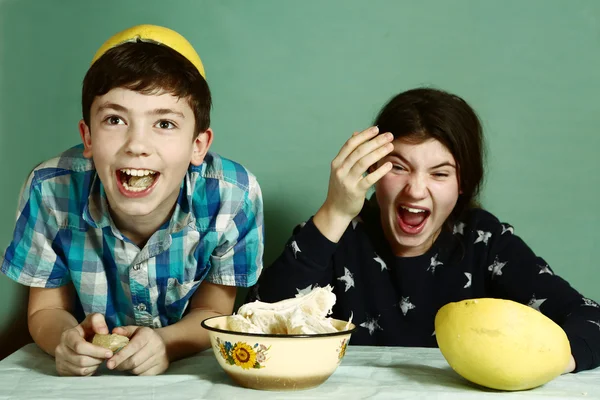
146 353
74 355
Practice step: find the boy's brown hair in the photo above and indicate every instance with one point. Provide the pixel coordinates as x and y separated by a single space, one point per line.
148 68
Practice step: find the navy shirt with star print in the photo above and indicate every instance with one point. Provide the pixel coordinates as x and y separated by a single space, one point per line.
393 300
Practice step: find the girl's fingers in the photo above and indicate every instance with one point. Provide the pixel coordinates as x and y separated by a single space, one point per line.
369 147
361 166
352 143
376 175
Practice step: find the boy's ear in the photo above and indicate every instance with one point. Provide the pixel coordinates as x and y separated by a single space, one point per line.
86 138
201 145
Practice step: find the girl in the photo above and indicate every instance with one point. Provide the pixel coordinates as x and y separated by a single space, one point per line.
421 241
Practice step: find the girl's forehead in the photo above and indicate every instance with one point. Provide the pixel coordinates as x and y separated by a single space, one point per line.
426 149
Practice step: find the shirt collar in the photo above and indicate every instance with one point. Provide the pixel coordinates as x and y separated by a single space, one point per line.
97 214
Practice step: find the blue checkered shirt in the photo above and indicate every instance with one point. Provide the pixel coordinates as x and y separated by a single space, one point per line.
64 233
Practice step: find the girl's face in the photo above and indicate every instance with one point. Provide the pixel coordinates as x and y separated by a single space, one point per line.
417 195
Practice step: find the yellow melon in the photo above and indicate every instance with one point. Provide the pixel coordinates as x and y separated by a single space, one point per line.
501 344
155 34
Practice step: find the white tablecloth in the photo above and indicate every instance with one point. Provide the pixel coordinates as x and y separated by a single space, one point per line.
365 372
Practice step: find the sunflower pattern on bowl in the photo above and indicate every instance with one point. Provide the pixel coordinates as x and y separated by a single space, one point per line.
242 354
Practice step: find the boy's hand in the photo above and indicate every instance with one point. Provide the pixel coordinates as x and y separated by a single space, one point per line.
74 355
146 353
347 184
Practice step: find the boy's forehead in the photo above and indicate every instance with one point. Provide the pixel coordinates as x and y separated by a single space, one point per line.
141 102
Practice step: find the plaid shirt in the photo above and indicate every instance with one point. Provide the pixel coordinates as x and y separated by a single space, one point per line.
64 233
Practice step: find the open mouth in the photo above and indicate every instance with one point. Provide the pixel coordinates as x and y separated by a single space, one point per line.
136 180
412 220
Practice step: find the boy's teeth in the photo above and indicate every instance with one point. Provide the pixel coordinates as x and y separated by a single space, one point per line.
137 172
134 188
136 180
413 210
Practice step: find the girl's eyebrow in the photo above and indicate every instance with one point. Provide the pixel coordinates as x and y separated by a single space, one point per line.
444 164
404 160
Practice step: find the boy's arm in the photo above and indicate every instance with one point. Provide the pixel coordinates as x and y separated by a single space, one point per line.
187 337
56 331
49 314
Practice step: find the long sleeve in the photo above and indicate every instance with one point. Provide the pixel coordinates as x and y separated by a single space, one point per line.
516 273
305 261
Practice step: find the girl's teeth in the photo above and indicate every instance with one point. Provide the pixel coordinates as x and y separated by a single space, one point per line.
413 210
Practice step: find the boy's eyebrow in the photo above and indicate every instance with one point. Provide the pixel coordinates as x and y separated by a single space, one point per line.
165 111
158 111
111 106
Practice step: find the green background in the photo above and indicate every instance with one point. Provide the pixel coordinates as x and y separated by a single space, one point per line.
293 79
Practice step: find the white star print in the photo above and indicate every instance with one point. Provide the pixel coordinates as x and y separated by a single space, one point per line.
406 305
348 279
355 222
372 325
459 228
302 224
433 334
496 267
590 303
507 228
468 284
483 237
434 264
381 262
306 290
594 322
295 249
545 269
536 303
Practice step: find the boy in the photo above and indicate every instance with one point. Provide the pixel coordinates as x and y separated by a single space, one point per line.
140 231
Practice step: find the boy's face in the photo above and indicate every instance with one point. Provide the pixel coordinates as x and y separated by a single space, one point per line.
417 195
142 146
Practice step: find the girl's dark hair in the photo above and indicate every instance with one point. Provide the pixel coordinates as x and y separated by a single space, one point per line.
148 68
423 113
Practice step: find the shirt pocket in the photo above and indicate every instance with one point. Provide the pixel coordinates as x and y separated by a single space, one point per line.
177 297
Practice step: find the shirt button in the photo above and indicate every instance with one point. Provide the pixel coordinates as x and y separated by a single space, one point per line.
141 307
136 267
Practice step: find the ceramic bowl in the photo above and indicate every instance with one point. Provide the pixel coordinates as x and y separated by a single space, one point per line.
277 362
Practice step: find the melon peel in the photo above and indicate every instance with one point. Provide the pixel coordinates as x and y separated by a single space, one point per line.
501 344
153 34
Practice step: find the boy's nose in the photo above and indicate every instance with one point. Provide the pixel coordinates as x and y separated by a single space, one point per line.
137 142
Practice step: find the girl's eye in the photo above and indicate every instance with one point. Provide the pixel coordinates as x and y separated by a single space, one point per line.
164 124
398 167
114 120
440 175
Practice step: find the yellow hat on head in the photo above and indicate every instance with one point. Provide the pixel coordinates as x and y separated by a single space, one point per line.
154 34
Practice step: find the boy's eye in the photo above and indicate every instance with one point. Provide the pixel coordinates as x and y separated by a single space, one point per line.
114 120
164 124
